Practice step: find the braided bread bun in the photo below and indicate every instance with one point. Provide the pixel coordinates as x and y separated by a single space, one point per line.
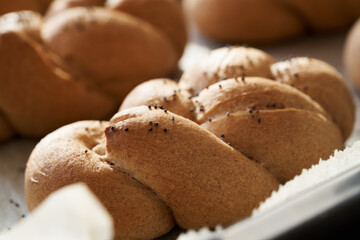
267 21
351 55
79 58
319 80
142 189
152 167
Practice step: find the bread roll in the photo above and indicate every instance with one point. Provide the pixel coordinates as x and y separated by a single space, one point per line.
50 97
249 135
182 169
269 21
82 59
316 78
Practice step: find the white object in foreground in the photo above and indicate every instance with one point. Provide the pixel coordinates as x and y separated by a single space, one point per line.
71 213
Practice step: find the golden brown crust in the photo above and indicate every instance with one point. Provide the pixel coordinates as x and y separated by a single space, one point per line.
265 120
324 84
77 35
70 155
268 21
171 20
284 142
162 93
50 97
249 21
184 175
226 63
351 56
250 94
316 78
94 55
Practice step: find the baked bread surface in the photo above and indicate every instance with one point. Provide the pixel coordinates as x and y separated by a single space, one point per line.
203 158
81 59
269 21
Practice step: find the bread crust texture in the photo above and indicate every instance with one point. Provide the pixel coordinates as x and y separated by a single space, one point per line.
269 21
200 158
81 59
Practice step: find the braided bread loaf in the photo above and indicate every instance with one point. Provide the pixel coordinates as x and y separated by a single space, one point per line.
267 21
152 167
58 69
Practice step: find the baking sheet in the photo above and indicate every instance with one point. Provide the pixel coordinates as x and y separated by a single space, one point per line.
14 154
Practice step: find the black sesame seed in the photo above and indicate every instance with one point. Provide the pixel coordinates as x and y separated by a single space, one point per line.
210 119
250 111
23 215
252 115
165 110
111 163
191 109
149 106
86 151
253 107
150 123
112 128
222 136
274 105
220 86
156 124
126 129
172 118
227 114
150 129
161 107
165 130
257 111
259 120
17 205
155 106
229 144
